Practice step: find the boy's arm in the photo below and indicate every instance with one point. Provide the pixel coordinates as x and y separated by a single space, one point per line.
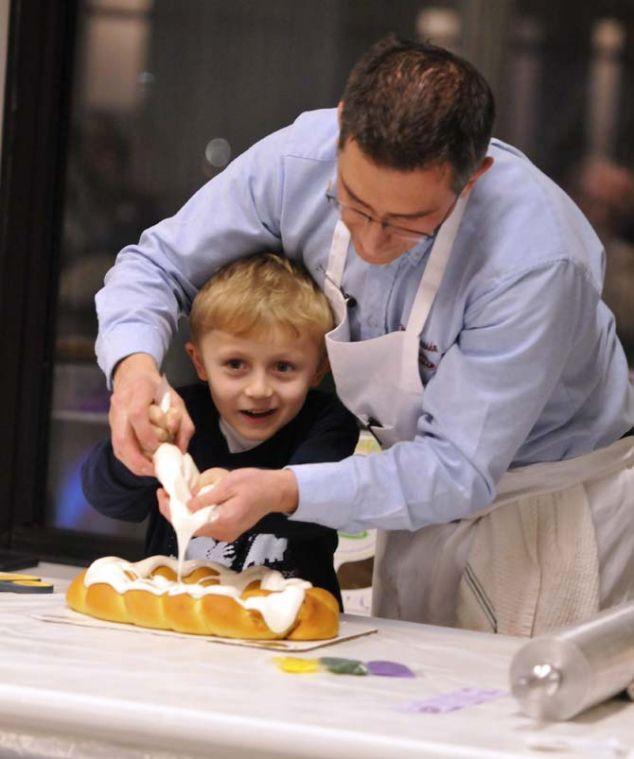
113 490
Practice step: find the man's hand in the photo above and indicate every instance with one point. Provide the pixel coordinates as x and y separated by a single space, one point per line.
135 436
244 496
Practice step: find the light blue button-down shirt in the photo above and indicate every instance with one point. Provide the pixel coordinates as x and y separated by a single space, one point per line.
519 355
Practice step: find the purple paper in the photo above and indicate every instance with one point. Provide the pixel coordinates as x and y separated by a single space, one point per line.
454 700
388 669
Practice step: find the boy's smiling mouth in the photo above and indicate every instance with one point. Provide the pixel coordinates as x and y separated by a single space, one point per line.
252 414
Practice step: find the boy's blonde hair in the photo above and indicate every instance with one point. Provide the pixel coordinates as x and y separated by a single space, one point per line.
254 295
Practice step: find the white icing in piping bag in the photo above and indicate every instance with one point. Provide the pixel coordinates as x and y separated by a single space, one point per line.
178 474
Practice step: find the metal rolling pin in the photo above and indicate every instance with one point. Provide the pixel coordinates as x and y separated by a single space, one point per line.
557 676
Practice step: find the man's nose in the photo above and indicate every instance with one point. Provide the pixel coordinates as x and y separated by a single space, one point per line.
258 385
373 236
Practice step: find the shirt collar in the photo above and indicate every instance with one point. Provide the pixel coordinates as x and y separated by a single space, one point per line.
416 254
235 442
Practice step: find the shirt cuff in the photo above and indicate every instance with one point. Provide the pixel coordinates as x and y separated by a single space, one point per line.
119 343
327 493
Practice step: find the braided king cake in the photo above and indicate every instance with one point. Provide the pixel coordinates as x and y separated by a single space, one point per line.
257 604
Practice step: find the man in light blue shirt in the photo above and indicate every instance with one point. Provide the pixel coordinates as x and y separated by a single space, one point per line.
518 357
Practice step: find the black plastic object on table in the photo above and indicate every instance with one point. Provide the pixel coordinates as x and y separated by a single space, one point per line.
16 583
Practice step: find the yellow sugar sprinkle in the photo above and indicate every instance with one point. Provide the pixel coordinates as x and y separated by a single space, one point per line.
295 665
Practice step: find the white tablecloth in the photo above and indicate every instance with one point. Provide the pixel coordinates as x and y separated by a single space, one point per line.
79 692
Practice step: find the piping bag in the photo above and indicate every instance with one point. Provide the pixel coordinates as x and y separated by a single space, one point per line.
178 474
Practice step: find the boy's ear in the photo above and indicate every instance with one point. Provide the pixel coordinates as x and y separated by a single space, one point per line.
194 354
321 371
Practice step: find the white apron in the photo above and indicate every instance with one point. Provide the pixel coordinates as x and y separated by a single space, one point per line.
559 550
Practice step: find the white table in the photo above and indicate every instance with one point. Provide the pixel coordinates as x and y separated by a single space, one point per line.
79 692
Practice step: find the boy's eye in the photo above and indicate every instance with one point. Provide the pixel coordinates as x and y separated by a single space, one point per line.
234 364
284 367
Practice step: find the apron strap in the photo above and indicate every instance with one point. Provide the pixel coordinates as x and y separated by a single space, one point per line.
337 256
334 270
430 281
434 270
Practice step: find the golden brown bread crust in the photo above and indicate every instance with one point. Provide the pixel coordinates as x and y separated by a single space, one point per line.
220 615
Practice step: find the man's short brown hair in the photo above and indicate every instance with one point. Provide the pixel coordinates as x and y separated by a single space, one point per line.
411 105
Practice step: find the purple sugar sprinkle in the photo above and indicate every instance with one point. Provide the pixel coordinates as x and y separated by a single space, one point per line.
389 669
454 700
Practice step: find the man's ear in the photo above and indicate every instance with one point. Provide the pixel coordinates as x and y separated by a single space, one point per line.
339 111
482 169
194 354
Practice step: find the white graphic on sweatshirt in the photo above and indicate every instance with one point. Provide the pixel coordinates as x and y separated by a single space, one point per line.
212 550
263 549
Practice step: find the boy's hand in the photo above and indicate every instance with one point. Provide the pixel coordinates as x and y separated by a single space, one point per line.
209 479
244 496
205 484
134 436
163 424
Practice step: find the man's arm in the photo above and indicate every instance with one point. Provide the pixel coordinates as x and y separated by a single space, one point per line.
487 394
152 283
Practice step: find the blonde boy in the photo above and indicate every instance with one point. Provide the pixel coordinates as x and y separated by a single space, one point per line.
258 329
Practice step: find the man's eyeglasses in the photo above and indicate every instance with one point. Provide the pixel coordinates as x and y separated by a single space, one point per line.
354 215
